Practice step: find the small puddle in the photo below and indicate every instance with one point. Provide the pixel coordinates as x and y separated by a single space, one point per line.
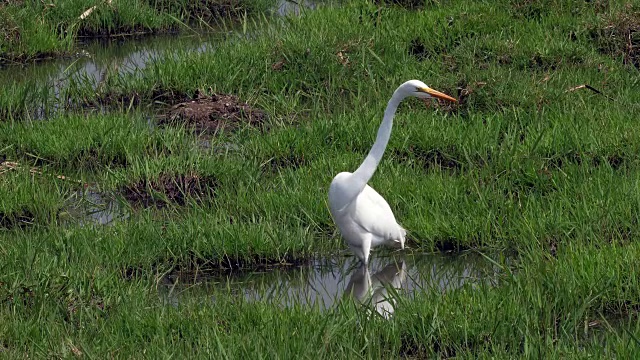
90 207
324 282
294 8
223 148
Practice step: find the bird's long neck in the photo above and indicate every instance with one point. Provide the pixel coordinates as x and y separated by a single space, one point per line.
370 163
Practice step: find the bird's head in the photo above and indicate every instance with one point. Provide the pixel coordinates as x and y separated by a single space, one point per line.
420 90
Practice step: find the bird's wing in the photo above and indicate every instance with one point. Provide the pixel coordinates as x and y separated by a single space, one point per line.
374 215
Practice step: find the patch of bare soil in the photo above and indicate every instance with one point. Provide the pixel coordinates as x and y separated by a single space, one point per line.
169 189
210 114
407 4
531 9
616 160
17 219
430 158
619 35
203 9
200 268
195 268
471 97
289 161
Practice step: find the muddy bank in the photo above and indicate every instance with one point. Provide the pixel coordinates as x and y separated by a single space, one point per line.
209 114
167 189
20 219
618 35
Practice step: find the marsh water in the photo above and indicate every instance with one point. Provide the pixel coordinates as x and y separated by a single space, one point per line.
97 60
324 282
91 207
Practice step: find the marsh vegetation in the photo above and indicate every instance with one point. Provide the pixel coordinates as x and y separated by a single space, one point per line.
219 157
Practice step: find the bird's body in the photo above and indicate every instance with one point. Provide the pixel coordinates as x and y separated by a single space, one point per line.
367 221
373 290
363 216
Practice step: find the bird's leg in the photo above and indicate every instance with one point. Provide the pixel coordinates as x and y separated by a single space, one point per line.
357 251
366 248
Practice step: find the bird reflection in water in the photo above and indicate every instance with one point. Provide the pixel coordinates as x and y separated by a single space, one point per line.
378 291
324 282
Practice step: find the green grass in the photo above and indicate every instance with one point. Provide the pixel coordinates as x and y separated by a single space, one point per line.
36 30
521 166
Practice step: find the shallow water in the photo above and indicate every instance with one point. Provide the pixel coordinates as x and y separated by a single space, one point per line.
90 207
324 282
294 8
98 59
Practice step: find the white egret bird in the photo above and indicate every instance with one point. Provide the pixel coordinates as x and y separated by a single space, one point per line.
363 216
374 290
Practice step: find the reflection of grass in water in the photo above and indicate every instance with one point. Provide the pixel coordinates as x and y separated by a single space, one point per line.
65 83
90 207
268 284
520 165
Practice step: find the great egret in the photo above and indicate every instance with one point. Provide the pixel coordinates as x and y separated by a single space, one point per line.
363 216
374 290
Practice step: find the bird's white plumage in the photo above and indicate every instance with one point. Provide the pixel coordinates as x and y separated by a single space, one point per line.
374 215
364 218
366 221
373 290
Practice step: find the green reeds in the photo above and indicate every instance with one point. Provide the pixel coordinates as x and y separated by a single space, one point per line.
528 163
36 30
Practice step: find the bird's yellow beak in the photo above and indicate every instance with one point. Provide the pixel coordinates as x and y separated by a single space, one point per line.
437 94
